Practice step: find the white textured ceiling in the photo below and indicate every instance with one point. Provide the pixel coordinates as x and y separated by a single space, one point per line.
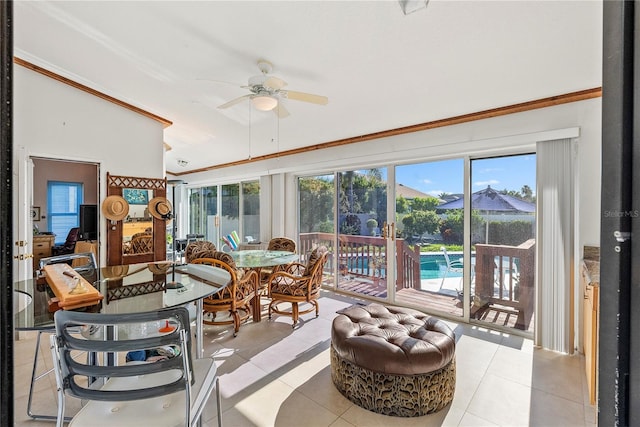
379 68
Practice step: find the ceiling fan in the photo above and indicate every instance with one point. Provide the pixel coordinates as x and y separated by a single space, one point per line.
267 91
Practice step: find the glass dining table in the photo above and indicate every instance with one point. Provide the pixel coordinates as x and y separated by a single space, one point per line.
128 289
125 289
257 259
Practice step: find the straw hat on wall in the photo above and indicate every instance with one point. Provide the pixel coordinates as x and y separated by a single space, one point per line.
160 207
115 208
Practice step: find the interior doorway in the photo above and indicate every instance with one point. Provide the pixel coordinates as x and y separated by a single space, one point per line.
64 206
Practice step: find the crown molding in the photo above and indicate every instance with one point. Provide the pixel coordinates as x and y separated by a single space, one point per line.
87 89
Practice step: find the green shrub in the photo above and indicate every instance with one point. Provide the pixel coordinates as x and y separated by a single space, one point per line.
510 233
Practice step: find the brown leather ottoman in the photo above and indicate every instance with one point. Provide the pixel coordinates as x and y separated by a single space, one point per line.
393 360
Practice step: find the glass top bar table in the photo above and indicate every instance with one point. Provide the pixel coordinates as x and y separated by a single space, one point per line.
126 289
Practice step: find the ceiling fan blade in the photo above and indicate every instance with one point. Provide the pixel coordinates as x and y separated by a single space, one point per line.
274 83
234 101
305 97
280 111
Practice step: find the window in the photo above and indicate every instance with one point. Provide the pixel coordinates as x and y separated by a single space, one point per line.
425 256
218 210
250 200
63 207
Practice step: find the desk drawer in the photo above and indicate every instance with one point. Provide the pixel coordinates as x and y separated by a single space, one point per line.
40 246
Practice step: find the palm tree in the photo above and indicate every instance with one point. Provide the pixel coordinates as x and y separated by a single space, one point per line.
348 177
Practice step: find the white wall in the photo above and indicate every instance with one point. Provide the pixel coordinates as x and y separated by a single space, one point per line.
484 137
55 120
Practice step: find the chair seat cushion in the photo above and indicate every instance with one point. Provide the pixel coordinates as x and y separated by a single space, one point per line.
288 288
166 410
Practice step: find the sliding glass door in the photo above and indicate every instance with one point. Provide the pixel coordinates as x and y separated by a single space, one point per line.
229 213
362 232
203 210
217 211
503 224
429 249
460 240
316 218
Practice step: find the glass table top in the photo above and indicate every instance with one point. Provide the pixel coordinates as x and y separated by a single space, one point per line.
125 289
255 258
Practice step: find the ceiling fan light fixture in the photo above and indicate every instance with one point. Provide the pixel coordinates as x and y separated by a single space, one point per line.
264 102
410 6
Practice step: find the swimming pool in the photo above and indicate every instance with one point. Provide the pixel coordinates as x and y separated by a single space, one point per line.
432 265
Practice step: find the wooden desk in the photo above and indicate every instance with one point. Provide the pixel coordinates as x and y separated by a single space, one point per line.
42 244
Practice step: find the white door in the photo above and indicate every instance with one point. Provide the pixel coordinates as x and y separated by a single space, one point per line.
22 221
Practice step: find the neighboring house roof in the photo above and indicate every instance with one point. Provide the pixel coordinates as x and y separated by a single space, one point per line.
489 199
452 197
409 193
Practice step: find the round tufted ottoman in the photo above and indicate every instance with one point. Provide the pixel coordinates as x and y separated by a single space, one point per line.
393 360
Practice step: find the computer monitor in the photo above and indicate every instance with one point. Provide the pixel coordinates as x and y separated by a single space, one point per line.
88 222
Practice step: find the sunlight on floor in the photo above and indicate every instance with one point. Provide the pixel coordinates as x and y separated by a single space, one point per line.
274 375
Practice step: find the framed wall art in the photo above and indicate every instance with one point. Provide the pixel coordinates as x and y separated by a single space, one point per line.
35 213
136 196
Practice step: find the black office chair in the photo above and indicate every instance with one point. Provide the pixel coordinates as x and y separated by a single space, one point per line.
69 245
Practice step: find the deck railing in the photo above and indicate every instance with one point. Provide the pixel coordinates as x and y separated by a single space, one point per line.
408 265
365 256
515 289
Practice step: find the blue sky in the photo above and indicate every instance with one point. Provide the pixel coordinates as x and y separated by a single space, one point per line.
446 176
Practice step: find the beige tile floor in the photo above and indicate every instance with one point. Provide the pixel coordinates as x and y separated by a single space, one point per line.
273 375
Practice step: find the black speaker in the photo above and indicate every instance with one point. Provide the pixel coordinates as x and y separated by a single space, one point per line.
88 222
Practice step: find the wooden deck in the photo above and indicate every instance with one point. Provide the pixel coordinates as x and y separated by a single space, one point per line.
435 302
502 277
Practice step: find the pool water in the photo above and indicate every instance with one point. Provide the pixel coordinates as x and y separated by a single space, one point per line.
432 265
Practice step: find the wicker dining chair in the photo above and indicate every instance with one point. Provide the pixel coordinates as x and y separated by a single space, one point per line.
282 244
288 285
275 244
198 249
142 243
235 297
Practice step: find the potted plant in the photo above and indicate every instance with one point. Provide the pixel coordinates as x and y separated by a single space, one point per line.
372 224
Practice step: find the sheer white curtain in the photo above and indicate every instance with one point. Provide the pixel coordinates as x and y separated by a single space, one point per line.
555 195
